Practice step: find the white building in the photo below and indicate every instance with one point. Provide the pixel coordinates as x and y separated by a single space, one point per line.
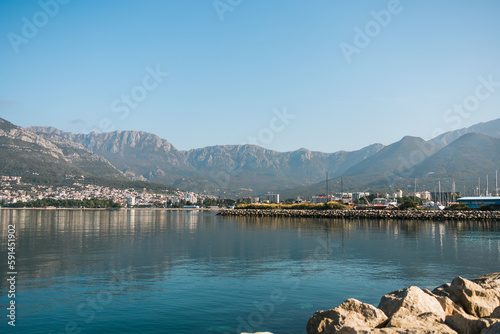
131 201
398 194
273 198
190 197
425 195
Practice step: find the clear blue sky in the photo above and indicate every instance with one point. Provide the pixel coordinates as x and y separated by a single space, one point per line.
231 69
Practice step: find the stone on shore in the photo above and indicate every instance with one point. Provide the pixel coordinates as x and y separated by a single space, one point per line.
467 324
463 307
351 313
479 298
412 308
449 306
410 301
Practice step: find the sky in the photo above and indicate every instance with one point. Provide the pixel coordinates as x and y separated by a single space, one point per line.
282 74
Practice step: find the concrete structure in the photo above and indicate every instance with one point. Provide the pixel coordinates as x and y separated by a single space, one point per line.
131 201
425 195
398 194
273 198
190 197
477 202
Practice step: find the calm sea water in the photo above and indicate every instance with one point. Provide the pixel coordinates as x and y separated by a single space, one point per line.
148 271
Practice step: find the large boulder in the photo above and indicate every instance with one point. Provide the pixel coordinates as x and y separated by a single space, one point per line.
412 308
467 324
410 301
479 297
351 313
490 281
425 322
449 306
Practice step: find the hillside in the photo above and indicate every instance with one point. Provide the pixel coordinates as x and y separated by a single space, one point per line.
390 165
491 128
465 160
223 169
52 160
31 156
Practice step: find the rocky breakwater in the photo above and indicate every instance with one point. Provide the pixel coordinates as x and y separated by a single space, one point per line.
368 214
462 306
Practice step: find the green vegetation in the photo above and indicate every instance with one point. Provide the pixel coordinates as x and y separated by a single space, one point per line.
67 203
300 206
458 207
409 205
411 199
492 207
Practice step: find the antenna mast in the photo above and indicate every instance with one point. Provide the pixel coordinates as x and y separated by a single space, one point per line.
487 189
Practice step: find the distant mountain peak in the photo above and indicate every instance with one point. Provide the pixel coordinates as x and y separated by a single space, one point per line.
491 128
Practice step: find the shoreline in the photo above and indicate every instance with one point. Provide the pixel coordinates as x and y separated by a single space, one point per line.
367 214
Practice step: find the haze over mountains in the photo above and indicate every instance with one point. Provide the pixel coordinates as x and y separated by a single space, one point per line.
463 155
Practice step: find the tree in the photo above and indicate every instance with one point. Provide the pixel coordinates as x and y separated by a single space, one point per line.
408 205
485 208
406 198
458 207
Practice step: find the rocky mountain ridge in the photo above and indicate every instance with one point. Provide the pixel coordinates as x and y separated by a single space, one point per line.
144 156
237 170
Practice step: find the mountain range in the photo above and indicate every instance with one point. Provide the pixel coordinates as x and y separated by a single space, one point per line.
234 170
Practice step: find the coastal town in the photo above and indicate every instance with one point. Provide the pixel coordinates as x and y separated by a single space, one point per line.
14 191
11 194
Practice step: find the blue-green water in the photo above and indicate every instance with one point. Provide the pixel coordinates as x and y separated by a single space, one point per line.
148 271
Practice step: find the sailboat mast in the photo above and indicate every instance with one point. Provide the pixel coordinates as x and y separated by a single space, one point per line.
415 192
487 189
453 190
439 185
496 182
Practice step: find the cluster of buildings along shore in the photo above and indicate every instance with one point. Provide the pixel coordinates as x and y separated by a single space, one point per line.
345 198
134 198
360 199
126 197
